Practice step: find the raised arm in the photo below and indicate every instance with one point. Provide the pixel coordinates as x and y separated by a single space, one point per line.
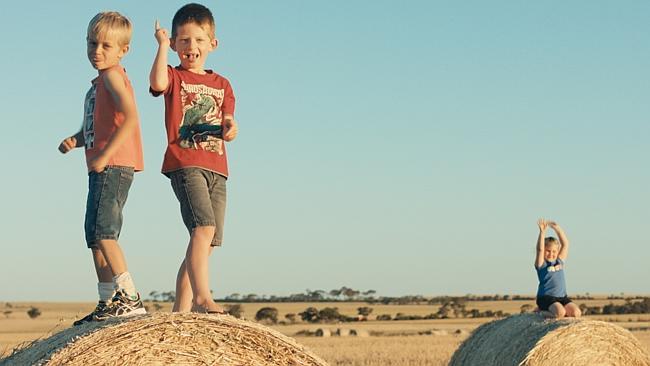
124 103
158 79
539 256
564 241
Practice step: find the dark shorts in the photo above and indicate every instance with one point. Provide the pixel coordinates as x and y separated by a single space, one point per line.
202 197
107 193
544 302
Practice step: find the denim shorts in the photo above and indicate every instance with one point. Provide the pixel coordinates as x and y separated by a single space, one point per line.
202 197
107 193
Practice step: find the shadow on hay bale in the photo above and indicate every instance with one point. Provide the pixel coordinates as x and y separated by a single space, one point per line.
529 340
164 338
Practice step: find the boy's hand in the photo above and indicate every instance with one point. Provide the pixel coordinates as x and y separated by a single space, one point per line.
98 163
553 225
161 34
68 144
230 129
542 225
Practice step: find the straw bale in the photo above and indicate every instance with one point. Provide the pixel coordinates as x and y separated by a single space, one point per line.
323 332
529 340
359 333
164 339
343 332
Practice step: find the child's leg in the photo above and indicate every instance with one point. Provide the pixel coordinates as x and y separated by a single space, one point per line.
572 310
184 292
104 273
115 258
557 310
183 302
196 264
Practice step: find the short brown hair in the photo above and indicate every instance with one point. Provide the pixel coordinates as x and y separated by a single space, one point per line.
194 13
111 22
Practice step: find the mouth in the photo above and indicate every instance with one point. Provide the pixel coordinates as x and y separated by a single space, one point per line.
191 56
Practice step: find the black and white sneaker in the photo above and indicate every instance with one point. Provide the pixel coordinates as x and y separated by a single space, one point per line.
101 307
121 305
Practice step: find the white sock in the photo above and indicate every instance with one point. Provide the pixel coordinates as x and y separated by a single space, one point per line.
106 291
125 282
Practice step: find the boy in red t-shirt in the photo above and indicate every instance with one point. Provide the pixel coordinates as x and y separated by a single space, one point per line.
111 137
199 108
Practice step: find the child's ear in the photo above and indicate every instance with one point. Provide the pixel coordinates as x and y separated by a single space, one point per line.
214 43
124 50
172 44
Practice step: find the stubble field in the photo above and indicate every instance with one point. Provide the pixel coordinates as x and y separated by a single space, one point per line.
404 343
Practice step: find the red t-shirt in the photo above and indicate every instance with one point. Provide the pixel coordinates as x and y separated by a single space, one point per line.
195 105
101 120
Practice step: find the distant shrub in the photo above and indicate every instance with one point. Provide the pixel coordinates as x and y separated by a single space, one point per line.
267 314
235 310
33 312
384 317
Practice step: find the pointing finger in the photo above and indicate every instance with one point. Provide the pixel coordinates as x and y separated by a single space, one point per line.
157 24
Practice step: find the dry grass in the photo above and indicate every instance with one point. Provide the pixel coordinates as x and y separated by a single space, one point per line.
397 343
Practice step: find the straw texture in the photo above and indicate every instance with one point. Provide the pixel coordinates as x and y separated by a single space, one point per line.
529 340
167 339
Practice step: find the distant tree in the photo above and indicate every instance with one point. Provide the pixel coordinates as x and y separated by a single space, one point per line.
250 298
154 295
526 308
168 296
335 293
384 317
233 297
329 315
309 315
33 312
8 305
365 311
235 310
291 317
267 314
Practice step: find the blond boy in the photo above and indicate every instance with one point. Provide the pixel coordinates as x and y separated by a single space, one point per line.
111 137
552 298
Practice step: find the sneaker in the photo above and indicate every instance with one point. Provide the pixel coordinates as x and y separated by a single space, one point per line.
101 307
121 305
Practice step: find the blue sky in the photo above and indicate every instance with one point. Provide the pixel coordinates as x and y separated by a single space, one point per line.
405 147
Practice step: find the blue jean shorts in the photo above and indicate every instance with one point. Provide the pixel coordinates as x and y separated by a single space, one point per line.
202 197
107 193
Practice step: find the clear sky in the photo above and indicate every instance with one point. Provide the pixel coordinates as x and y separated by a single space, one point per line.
402 146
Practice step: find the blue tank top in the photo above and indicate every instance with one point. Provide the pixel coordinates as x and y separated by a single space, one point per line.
551 279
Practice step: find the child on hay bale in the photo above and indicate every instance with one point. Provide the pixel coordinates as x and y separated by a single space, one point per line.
552 298
199 108
111 137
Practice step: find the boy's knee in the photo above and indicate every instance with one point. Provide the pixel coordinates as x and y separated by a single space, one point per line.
204 231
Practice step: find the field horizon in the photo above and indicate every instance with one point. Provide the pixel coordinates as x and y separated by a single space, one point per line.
389 342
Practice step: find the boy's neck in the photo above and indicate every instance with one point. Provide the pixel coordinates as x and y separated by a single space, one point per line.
99 72
195 71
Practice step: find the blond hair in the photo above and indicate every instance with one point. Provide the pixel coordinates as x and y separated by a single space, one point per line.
111 23
551 241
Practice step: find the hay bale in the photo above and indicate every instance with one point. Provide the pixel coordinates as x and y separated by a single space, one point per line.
529 340
359 333
323 332
164 338
343 332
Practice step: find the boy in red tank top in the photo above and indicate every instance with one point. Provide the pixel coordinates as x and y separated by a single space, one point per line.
199 108
111 137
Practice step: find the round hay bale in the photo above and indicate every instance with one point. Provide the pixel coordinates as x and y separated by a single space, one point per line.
359 333
343 332
529 340
166 338
323 332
